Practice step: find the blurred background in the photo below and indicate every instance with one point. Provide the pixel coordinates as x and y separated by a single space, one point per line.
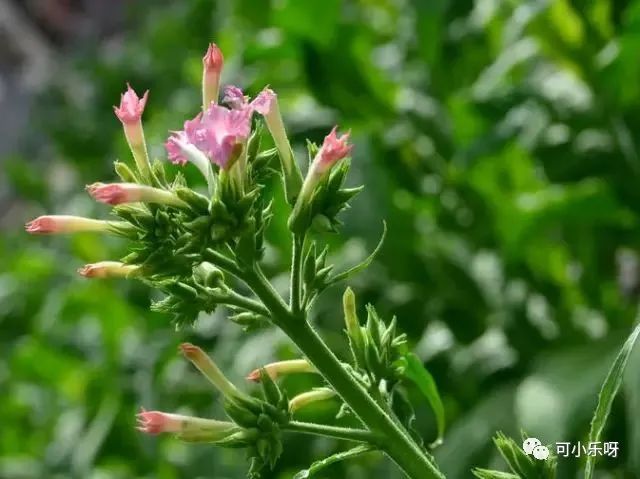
498 138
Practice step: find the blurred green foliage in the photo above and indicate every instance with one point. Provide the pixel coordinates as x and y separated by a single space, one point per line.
498 138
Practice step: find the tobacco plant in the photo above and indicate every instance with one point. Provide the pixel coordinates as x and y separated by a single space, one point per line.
204 249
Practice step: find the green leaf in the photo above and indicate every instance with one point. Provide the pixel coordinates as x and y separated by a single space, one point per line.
607 394
340 456
489 474
416 372
364 264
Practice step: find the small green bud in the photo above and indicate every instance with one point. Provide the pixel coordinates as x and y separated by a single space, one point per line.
208 275
354 331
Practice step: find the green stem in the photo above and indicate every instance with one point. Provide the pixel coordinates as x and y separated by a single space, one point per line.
358 435
296 270
222 262
232 298
396 443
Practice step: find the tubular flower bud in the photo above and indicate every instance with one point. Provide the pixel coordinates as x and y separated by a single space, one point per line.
187 428
332 151
119 193
130 113
280 368
304 399
266 103
52 224
108 269
212 63
209 369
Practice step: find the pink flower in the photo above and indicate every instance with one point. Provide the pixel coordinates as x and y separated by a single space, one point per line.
174 147
131 106
333 150
236 100
65 224
234 97
263 102
217 132
156 422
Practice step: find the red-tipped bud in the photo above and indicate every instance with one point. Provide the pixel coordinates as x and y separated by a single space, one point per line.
213 60
209 369
156 422
119 193
108 269
212 67
51 224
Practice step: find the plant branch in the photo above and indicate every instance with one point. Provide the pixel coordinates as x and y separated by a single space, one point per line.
349 434
234 299
397 442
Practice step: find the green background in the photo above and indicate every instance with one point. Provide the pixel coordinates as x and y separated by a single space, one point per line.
499 140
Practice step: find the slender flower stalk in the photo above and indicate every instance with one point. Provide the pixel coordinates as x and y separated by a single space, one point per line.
282 368
109 269
54 224
209 369
212 63
130 114
119 193
309 397
187 428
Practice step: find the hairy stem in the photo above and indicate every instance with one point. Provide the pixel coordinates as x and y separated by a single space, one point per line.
358 435
396 442
234 299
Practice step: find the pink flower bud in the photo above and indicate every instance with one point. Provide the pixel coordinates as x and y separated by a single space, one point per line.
333 150
212 63
131 106
130 113
156 422
66 224
213 60
209 369
274 370
108 269
119 193
188 428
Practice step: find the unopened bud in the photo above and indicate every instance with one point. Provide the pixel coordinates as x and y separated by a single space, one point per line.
187 428
209 369
304 399
109 269
212 63
281 368
119 193
51 224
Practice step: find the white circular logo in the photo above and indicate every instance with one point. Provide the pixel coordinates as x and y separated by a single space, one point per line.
530 444
541 452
